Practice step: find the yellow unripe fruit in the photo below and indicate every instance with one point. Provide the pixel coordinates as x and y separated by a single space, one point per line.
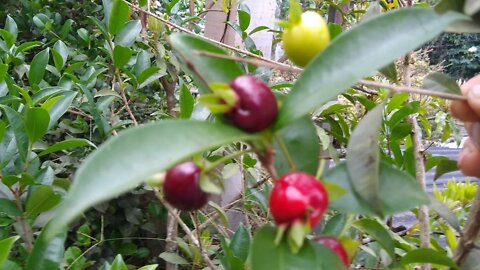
304 40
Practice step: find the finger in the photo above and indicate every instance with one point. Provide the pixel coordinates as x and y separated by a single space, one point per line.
469 159
463 111
473 99
470 83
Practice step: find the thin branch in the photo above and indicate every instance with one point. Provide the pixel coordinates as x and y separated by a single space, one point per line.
124 98
290 68
188 232
470 232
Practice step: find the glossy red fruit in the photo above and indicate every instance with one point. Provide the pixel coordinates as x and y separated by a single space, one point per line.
335 245
256 106
297 197
182 189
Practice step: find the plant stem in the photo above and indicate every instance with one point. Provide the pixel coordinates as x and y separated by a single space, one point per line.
27 233
289 68
188 232
124 97
470 232
423 217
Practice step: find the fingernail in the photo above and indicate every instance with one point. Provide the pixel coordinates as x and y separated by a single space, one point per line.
475 134
474 92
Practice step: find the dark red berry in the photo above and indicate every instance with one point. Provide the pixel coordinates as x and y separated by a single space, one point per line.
335 245
297 197
182 189
256 106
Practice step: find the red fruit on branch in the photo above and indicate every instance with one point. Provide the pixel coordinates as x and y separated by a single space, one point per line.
335 245
256 105
182 188
297 197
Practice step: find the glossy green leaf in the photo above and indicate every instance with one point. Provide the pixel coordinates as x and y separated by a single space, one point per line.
173 258
127 160
446 213
36 123
335 225
148 76
391 180
8 207
211 69
298 143
47 254
41 199
65 145
378 232
60 107
118 16
11 27
445 166
16 122
121 55
129 33
264 254
149 267
187 102
426 255
351 56
5 247
118 263
363 158
243 19
7 37
3 129
38 67
441 83
60 55
240 243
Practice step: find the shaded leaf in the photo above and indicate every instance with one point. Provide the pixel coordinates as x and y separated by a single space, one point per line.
173 258
445 213
67 144
187 102
442 83
121 55
426 255
376 230
47 254
36 123
118 16
38 67
129 33
445 166
42 199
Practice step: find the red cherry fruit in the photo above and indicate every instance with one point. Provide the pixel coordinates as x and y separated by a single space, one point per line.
335 245
297 197
256 106
182 189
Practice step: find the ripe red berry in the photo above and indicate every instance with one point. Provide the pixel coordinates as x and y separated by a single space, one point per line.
335 245
296 197
182 189
256 106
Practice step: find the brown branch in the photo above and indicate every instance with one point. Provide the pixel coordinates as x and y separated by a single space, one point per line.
124 98
169 88
470 232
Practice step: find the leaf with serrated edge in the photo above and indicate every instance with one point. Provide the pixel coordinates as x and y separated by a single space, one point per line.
133 156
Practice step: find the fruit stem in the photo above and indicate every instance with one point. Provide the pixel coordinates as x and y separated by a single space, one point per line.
285 152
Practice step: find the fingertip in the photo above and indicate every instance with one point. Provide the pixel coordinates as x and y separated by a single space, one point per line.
469 159
461 110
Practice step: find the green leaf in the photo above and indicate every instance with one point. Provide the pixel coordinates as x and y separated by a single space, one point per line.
173 258
390 71
121 55
118 16
445 213
149 75
407 29
378 232
129 33
335 225
211 69
3 129
118 263
38 67
445 166
42 199
363 158
8 38
471 7
441 83
8 207
264 254
426 255
36 123
47 254
11 27
187 102
391 201
60 55
240 243
243 19
335 30
5 247
67 144
60 107
301 142
149 267
16 122
127 160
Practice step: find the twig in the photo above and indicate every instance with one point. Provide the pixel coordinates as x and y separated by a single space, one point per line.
187 230
80 112
470 232
124 97
423 217
290 68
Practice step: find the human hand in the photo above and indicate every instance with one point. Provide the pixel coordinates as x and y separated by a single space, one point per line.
469 112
